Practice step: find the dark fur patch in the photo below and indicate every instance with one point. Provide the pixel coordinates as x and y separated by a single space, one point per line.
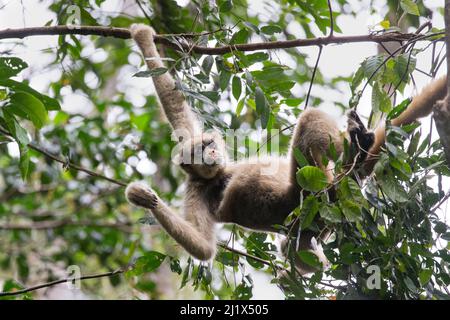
361 139
212 191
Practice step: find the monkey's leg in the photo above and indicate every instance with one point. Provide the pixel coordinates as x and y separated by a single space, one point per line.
175 107
313 135
196 234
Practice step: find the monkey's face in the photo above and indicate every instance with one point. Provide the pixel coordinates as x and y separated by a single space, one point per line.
203 155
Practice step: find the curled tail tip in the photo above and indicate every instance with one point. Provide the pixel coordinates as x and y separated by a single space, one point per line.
139 194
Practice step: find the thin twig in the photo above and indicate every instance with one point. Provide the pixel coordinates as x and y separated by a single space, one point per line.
445 198
138 2
331 20
316 65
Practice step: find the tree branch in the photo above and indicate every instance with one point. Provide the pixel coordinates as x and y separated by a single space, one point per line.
124 33
53 283
441 110
53 224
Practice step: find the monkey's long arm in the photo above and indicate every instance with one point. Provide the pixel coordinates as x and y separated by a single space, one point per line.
175 107
195 234
420 106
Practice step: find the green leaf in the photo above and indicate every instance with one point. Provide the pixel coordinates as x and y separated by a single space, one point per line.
440 227
331 214
252 26
309 258
12 285
292 102
393 189
148 263
349 189
49 103
425 276
372 64
311 178
410 7
175 265
261 106
357 78
186 273
300 158
351 210
270 73
395 112
140 121
87 18
151 73
20 134
224 79
243 291
410 284
271 29
310 207
380 99
226 6
149 220
253 58
11 66
236 87
385 24
212 95
24 163
228 258
207 64
240 37
29 107
239 107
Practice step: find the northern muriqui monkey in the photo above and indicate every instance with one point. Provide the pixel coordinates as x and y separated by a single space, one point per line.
223 191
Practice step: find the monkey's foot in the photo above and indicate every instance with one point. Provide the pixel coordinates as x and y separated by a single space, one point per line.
141 195
142 32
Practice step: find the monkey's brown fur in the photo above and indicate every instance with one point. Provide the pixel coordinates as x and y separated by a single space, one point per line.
420 107
238 192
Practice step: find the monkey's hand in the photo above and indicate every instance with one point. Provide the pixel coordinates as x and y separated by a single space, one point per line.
141 195
361 138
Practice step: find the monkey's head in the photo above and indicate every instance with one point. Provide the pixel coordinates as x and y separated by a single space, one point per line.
203 155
